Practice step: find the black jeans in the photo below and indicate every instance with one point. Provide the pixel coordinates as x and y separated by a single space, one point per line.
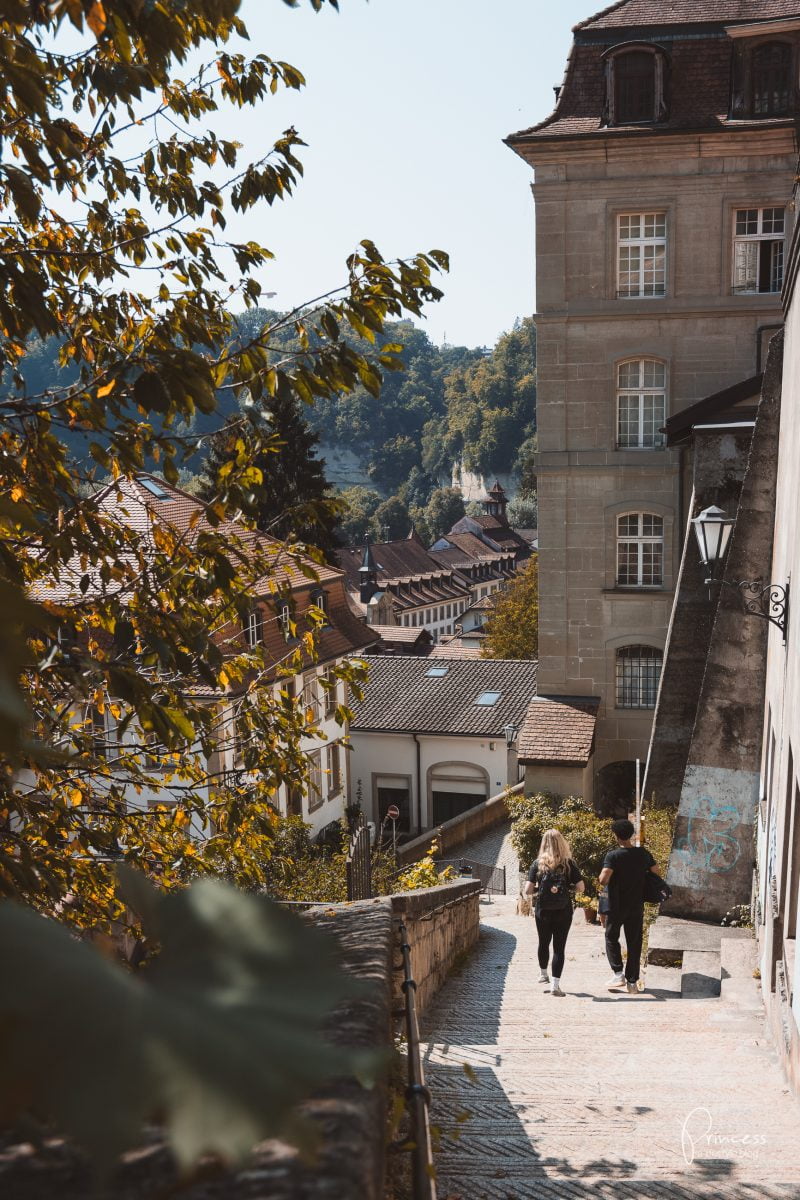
553 926
631 923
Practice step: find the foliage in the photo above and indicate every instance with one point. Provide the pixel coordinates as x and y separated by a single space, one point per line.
300 870
358 509
523 512
512 626
738 917
444 508
589 835
294 499
217 1035
425 873
390 521
144 632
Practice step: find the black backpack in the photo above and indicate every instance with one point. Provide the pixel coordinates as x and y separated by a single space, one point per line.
553 890
656 891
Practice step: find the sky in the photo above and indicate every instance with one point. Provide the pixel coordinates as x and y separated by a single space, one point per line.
404 112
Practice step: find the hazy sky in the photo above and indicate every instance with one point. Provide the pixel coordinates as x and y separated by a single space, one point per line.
405 109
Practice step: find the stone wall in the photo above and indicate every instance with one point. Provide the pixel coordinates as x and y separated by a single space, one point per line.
711 865
442 925
459 830
349 1120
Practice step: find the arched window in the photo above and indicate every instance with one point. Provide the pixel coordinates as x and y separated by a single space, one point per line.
635 86
772 79
641 404
640 550
638 673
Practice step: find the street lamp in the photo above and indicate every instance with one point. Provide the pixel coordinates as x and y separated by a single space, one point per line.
510 732
770 602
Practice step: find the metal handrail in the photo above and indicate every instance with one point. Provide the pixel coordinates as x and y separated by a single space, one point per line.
418 1097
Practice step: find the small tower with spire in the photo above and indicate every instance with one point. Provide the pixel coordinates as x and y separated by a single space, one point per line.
495 502
367 575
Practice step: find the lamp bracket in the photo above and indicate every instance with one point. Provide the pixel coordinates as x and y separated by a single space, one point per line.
768 601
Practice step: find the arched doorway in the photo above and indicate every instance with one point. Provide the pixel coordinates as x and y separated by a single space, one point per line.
615 789
455 787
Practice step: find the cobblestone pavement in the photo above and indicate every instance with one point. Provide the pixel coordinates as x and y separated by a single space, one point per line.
599 1094
494 848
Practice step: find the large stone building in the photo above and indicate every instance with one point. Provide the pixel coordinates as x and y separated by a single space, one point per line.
661 185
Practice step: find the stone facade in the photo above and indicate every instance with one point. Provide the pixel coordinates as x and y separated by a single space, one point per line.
697 332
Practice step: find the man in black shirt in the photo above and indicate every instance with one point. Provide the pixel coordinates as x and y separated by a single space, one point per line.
624 872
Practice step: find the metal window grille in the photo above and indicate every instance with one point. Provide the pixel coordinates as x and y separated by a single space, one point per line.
640 550
641 404
638 673
641 254
758 249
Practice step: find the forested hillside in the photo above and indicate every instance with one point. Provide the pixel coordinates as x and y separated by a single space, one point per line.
448 405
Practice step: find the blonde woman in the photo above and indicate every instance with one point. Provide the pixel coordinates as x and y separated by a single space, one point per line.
551 878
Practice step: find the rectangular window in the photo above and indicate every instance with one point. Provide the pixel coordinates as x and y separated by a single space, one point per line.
330 698
285 620
641 255
638 673
253 628
641 404
311 698
315 796
758 249
334 769
640 550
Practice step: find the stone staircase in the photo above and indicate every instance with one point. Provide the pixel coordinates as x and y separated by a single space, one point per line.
694 961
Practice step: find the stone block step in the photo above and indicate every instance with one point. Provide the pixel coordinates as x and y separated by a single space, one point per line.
700 974
662 981
670 937
738 960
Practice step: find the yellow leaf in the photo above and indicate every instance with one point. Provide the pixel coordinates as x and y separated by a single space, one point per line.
75 797
106 389
96 18
17 492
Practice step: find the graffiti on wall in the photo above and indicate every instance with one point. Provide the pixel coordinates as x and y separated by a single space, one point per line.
711 843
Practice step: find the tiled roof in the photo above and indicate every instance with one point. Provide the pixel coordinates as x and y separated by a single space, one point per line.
401 634
558 729
686 12
453 647
699 71
394 560
402 697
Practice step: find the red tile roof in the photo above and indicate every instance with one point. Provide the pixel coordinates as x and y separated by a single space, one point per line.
558 729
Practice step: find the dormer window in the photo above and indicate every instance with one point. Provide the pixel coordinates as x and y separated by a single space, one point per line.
763 81
635 86
772 74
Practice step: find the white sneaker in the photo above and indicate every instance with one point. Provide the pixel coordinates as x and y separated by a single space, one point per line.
616 981
555 990
544 977
633 986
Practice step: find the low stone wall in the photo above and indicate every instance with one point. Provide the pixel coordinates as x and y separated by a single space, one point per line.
442 925
350 1120
459 830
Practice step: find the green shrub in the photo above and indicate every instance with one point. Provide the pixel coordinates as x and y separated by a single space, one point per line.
589 835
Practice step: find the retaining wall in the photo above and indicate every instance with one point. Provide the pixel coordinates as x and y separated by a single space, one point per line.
456 832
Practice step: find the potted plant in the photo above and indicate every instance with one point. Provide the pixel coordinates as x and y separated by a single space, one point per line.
589 906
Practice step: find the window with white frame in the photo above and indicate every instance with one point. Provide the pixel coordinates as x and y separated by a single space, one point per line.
253 628
641 254
311 697
320 600
640 550
758 249
330 697
641 404
638 673
285 620
315 796
334 769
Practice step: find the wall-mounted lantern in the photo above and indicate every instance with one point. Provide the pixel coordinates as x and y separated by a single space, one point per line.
713 528
510 732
